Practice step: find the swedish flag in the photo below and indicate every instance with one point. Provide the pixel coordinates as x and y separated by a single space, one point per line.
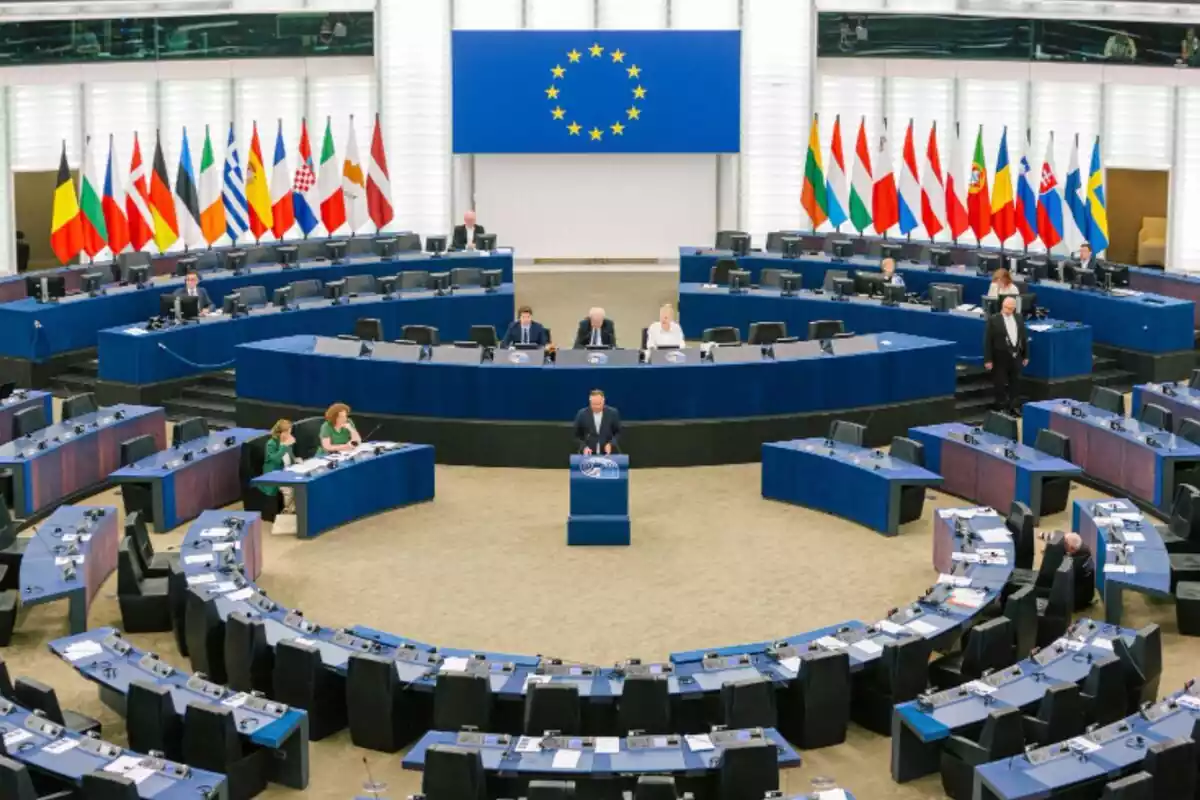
1097 214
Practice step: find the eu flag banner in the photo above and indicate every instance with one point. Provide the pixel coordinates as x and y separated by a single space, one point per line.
596 91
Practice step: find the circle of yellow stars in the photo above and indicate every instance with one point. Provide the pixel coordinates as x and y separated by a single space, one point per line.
558 72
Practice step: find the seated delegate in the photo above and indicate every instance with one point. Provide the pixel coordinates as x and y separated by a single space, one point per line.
1002 284
524 330
279 455
597 426
192 288
666 332
595 331
888 267
338 433
465 234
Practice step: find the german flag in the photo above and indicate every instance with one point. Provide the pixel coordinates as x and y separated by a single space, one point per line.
162 204
66 234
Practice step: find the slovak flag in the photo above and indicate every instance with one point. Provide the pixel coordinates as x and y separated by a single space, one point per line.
1050 206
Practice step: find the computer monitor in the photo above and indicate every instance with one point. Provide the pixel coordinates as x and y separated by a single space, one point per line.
869 283
408 242
387 284
991 305
889 250
724 240
387 246
282 297
439 282
435 244
287 255
1113 276
138 275
893 295
789 283
1084 278
234 260
987 263
232 305
184 265
91 281
178 306
739 280
1036 270
843 249
45 288
945 296
739 243
126 260
335 250
843 288
335 289
939 258
789 246
1026 303
485 242
490 279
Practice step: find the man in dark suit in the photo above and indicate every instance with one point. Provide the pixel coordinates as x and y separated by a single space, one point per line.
597 427
465 234
525 331
23 252
1086 259
192 288
1005 351
1084 567
595 330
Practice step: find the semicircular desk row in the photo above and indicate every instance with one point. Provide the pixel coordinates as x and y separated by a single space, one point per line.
1152 333
681 412
389 690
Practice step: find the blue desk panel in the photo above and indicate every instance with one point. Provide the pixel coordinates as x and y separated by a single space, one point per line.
1063 351
1145 322
1128 549
210 343
857 483
287 371
19 401
1180 285
344 490
74 322
70 555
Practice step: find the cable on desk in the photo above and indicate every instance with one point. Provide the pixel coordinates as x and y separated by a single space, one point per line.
193 364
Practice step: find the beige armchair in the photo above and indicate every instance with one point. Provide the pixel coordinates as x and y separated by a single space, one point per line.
1152 241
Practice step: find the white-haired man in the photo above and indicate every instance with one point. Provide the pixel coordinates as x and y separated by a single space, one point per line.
595 331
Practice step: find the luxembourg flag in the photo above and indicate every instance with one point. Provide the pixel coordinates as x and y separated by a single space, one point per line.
910 186
304 194
1026 210
283 215
835 179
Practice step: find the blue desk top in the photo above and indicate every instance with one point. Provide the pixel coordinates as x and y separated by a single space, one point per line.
102 656
59 434
48 748
865 458
893 368
319 466
1024 456
1129 547
1164 443
56 561
694 753
167 461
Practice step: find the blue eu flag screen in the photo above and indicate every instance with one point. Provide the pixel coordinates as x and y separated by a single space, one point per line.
597 91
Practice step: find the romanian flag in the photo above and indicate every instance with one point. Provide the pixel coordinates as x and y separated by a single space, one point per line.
1004 222
979 207
258 192
162 203
66 235
812 196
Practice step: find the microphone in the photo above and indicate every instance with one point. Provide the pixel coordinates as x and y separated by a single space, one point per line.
374 430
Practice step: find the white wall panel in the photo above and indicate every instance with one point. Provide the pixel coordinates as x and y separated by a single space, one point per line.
1184 234
195 104
563 15
1138 127
43 116
704 14
121 109
8 253
631 14
487 14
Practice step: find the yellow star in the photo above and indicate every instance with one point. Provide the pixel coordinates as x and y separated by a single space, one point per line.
635 71
573 56
558 112
596 133
574 128
617 128
552 92
639 92
596 50
558 71
634 112
617 56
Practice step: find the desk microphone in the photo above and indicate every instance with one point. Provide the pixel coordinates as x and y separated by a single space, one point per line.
374 430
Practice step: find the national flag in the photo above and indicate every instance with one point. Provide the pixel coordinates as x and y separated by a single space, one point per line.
162 205
910 185
137 201
1026 208
1003 223
354 185
1097 231
258 193
233 191
933 191
283 214
979 208
66 235
189 202
835 179
91 209
114 204
329 185
379 185
885 211
861 181
212 209
1073 194
304 187
812 193
1049 209
956 213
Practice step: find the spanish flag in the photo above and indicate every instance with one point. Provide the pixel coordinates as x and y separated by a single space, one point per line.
162 203
66 234
258 192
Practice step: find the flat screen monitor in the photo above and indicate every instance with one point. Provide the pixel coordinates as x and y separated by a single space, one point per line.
843 288
739 280
234 260
1036 270
724 240
988 262
439 282
91 281
485 241
490 279
869 283
991 305
178 306
335 289
126 260
789 247
287 255
889 250
1085 277
408 242
775 241
1113 276
184 265
282 297
137 274
939 256
232 305
387 283
739 243
893 295
843 249
789 283
46 287
435 244
387 247
945 296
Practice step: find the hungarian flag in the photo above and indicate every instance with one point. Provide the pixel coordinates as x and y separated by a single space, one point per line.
835 179
885 207
212 208
861 181
258 193
1004 223
379 186
979 207
189 202
162 204
933 191
812 195
354 184
91 209
956 212
329 185
114 204
304 188
137 202
283 213
66 236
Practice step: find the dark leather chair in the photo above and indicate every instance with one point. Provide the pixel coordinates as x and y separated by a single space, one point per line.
466 276
137 497
749 703
986 647
719 272
188 429
644 705
1054 611
1108 399
6 687
725 334
816 706
998 423
151 721
1020 608
154 565
1182 534
1142 659
1189 429
177 593
1060 715
655 787
552 707
484 335
767 332
79 404
1001 737
1020 524
369 329
461 700
421 334
1138 786
1054 490
145 603
748 773
307 432
12 549
250 466
378 706
17 784
249 659
307 288
361 284
821 329
37 696
831 276
252 295
912 498
100 785
453 773
1157 416
550 790
205 632
847 432
1173 766
900 674
301 680
1103 691
211 742
29 420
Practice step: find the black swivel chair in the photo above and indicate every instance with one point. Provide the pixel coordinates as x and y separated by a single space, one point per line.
421 334
378 708
484 335
1054 490
767 332
211 741
986 647
37 696
821 329
361 284
1060 715
1189 429
189 429
1103 691
719 274
1157 416
1020 608
1043 577
307 288
655 787
1020 524
912 498
12 549
177 594
205 633
1000 424
145 603
900 674
749 773
644 705
749 703
137 497
847 432
253 295
250 466
1142 661
17 784
307 433
550 790
460 701
1138 786
151 721
816 706
301 680
1108 399
249 659
725 334
1173 765
1054 610
369 329
552 707
453 773
1001 736
78 405
154 565
100 785
1182 532
29 420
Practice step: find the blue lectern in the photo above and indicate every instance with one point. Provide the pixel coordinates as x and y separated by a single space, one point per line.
599 500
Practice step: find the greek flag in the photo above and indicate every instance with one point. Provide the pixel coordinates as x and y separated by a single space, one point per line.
233 191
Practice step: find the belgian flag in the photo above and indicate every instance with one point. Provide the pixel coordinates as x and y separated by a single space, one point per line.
66 232
162 203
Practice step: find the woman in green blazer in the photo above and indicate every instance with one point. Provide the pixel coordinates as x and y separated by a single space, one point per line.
279 455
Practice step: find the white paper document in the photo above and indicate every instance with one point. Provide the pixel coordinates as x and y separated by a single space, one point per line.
830 643
81 650
566 759
1134 537
954 580
202 558
130 767
792 663
215 533
699 742
60 746
995 536
922 627
529 744
244 593
454 664
887 626
196 580
868 647
607 745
